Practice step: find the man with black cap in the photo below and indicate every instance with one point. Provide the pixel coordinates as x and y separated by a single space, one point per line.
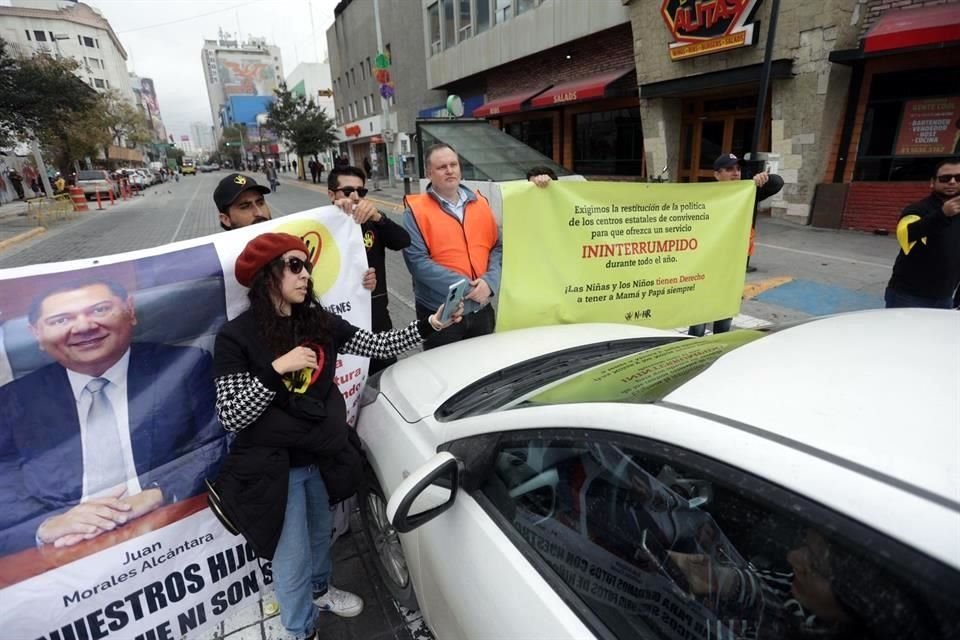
725 168
240 202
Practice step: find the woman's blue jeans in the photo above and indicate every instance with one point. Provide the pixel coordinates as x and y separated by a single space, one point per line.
301 563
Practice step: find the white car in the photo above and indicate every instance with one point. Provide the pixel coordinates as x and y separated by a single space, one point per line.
607 481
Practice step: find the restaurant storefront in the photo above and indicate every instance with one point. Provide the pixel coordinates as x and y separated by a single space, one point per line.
903 114
576 104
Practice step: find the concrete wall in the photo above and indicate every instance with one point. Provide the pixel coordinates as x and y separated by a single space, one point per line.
805 110
552 23
352 39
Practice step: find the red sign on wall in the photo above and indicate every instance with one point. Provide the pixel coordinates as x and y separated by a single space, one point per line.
352 130
700 27
929 127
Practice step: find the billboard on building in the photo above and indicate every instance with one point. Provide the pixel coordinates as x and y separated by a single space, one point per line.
152 104
246 74
245 108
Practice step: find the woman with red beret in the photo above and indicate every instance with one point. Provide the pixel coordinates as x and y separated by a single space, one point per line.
294 454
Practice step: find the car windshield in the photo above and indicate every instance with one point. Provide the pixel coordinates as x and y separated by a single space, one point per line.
644 376
509 385
91 175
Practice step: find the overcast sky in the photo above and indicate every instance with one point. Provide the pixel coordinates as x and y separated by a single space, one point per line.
163 39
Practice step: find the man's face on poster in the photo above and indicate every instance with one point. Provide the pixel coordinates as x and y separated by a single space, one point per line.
87 329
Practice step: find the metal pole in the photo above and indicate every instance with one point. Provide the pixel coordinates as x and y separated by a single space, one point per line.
384 103
41 168
764 81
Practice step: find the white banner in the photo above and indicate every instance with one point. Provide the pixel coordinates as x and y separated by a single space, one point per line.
152 315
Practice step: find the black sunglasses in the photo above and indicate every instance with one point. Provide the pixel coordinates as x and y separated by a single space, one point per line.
946 178
296 265
348 191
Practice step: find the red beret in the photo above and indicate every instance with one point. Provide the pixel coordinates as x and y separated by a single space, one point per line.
262 250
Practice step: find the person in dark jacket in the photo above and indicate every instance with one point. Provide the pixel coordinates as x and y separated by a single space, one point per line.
927 270
346 188
293 455
726 168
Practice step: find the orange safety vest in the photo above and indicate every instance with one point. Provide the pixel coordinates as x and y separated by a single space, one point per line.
464 248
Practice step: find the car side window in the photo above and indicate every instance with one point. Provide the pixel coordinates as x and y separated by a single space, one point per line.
658 542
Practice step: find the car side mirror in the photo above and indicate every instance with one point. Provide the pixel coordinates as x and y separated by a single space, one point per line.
425 494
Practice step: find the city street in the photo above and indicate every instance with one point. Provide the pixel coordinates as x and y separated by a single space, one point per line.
801 271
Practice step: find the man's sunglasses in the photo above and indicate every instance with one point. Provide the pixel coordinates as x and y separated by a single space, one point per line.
348 191
296 265
945 179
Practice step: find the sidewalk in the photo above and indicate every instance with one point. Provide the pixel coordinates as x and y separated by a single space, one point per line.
18 222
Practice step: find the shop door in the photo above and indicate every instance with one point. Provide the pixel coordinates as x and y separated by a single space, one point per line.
712 126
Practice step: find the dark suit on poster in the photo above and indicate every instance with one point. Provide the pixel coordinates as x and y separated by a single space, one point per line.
175 437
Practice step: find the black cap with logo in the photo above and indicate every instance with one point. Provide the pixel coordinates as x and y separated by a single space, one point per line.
231 187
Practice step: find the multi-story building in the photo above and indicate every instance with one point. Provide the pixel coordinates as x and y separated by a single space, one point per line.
556 74
146 96
241 78
73 30
360 109
202 134
855 87
311 80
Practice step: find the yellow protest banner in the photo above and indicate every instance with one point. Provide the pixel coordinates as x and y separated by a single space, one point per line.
656 255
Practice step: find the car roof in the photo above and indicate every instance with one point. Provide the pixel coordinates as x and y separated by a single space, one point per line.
877 389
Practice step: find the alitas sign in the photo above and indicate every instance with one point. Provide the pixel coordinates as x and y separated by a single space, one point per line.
700 27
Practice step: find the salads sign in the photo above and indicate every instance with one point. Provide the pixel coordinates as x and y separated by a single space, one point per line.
700 27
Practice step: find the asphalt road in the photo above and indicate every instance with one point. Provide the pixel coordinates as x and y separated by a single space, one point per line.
179 211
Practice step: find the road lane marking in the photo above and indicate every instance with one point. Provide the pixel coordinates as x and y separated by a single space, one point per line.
825 255
753 289
186 210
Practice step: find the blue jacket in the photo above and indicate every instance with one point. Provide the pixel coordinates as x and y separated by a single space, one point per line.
430 280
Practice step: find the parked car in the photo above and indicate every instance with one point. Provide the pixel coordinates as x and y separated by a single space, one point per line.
97 181
608 481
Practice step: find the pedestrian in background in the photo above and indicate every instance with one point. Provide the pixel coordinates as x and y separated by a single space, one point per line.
275 374
293 163
727 168
17 181
314 168
453 236
271 173
4 198
926 272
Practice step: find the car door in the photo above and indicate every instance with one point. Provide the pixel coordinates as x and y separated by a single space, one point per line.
658 542
563 533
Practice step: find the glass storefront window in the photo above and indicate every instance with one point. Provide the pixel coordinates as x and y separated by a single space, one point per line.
504 11
525 5
486 153
608 143
466 26
433 18
534 133
911 123
483 15
449 36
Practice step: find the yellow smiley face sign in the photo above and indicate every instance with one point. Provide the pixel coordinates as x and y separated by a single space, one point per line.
324 253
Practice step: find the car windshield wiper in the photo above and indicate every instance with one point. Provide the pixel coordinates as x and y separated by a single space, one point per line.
499 389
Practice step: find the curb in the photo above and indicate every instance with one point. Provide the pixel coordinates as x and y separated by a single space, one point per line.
26 235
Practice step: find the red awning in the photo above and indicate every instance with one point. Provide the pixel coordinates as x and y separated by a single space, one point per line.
507 104
579 90
914 28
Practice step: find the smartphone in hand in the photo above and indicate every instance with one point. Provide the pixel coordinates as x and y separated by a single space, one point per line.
455 294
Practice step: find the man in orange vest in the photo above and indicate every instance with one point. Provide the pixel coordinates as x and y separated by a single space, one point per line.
453 235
